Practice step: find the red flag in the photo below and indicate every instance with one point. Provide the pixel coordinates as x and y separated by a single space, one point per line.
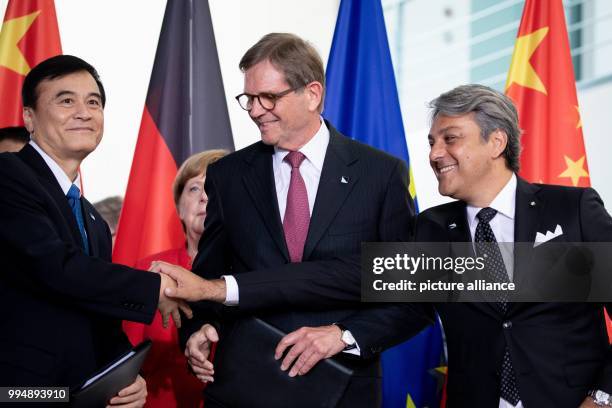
542 85
185 113
29 35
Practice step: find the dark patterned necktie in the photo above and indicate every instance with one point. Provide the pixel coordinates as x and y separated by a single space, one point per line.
297 212
74 199
486 246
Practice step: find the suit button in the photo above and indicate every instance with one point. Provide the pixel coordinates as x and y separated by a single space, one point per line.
507 325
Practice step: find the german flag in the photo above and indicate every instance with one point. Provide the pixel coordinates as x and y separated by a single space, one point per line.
29 35
185 112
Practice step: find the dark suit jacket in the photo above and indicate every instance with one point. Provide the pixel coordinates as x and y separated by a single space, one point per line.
62 309
559 350
244 237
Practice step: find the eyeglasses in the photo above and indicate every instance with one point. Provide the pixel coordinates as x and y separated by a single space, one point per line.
266 100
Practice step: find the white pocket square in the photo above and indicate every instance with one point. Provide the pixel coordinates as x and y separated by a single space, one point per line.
542 238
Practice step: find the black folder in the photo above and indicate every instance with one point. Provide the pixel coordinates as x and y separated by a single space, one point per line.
247 375
106 383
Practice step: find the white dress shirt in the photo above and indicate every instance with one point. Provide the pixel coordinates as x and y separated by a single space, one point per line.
502 225
60 175
310 169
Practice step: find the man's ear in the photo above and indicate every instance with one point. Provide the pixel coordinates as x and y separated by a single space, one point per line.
314 90
499 140
28 118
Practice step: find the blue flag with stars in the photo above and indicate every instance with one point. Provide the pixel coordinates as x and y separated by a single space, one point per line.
362 102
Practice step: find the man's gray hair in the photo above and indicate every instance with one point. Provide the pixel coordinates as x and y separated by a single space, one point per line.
492 111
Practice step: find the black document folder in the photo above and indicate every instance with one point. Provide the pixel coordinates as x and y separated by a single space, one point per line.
247 375
106 383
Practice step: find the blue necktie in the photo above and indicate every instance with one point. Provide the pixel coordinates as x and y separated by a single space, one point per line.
74 199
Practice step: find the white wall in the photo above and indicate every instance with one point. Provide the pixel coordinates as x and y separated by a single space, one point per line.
120 37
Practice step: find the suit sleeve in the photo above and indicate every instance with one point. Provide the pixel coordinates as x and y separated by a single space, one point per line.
60 271
324 284
597 227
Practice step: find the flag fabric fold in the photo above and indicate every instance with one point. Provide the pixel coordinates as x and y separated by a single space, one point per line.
185 113
363 103
541 83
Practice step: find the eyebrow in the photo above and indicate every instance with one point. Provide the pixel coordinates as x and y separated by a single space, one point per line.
70 93
444 130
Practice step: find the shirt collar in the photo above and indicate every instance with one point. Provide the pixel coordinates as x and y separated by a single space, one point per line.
314 150
504 202
57 171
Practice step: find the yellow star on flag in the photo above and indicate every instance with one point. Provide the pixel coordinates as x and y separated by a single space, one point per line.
409 402
521 71
579 124
12 32
575 170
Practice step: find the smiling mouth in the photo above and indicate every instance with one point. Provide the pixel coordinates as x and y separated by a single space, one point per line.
445 169
81 129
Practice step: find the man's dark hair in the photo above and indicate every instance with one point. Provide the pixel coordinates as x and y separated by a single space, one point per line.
16 133
52 68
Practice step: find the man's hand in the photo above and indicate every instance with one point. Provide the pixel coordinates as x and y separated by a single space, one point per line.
170 307
190 287
197 352
310 345
132 396
588 403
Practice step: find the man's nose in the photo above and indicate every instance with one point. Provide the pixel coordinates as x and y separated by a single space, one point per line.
82 111
257 109
437 151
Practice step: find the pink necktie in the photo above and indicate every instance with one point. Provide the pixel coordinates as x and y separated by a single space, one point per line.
297 213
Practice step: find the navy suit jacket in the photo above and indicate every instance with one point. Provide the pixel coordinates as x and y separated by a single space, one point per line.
559 350
244 237
62 309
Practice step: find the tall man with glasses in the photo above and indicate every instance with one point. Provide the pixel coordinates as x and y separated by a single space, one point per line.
285 221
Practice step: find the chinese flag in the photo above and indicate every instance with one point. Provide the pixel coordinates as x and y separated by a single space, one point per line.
541 83
29 35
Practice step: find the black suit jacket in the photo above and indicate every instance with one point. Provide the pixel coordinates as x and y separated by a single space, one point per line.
244 237
62 309
559 350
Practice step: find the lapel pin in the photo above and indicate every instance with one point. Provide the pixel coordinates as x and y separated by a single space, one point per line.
533 203
92 216
344 180
452 226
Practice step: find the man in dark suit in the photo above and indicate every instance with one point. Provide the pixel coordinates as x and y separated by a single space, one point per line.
62 299
505 354
285 221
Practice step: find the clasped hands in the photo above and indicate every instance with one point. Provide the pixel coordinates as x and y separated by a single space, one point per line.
179 286
300 350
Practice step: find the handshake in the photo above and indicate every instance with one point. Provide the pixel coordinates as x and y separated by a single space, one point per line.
179 286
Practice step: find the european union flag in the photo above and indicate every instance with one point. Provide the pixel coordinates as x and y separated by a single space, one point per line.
362 102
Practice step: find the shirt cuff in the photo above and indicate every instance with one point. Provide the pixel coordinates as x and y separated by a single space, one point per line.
356 351
231 291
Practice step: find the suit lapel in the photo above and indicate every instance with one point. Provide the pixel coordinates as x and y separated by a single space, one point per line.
259 183
339 164
528 213
31 157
